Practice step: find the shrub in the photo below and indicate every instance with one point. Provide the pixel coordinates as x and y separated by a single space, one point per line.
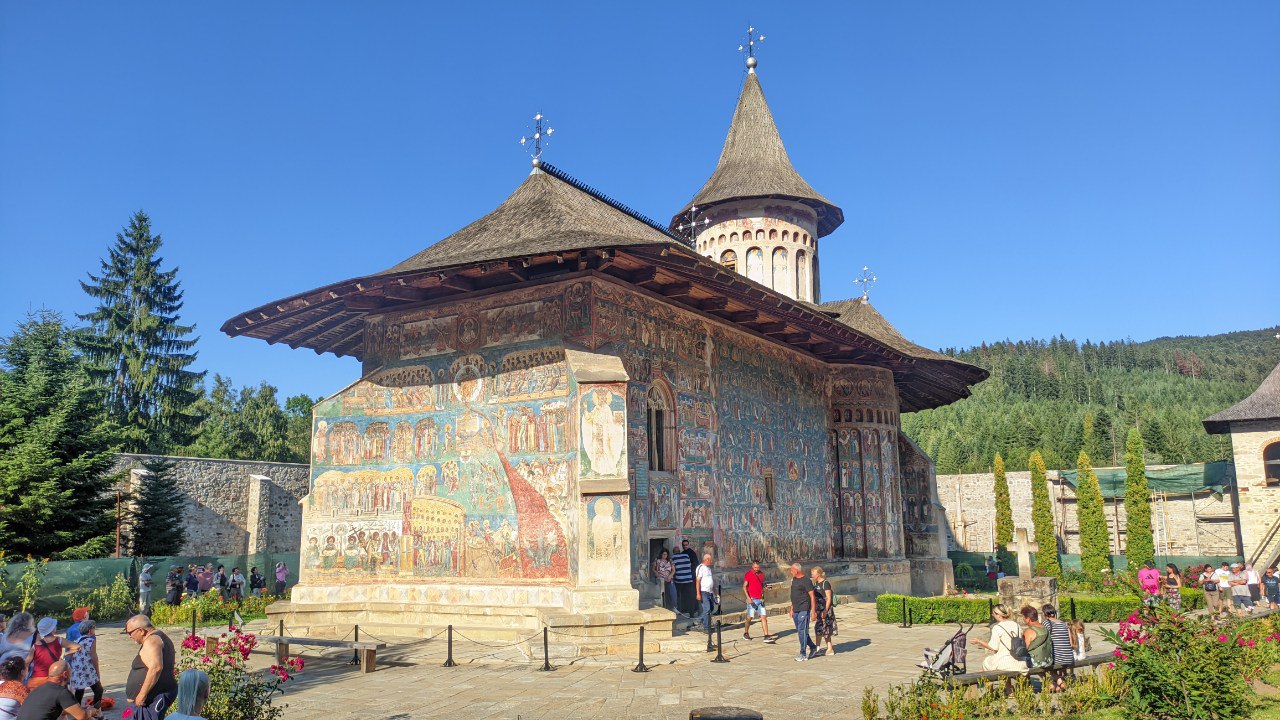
235 693
1089 608
209 609
109 602
1183 668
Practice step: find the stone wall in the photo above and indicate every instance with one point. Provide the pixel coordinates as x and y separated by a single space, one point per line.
1182 525
235 507
1259 502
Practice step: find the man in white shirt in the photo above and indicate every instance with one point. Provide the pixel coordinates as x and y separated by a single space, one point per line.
705 584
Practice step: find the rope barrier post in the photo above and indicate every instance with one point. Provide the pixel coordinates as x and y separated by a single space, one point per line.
720 658
448 662
355 654
904 614
546 653
280 632
991 607
710 647
193 623
1073 609
640 666
909 618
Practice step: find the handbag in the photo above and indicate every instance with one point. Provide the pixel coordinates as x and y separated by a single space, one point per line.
1209 586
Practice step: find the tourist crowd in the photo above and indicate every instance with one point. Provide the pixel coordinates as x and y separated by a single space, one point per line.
195 580
44 676
689 589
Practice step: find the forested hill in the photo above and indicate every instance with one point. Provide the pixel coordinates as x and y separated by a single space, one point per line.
1060 396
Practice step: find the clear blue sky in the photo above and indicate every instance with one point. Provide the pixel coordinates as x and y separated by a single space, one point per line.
1098 169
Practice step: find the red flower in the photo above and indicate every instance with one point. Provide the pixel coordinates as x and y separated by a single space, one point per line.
128 713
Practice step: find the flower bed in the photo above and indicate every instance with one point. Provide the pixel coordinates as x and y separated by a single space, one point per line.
209 609
236 692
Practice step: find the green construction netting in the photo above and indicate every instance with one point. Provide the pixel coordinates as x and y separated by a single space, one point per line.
67 577
1176 480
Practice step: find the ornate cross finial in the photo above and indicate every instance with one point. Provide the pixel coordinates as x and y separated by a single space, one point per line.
867 280
691 226
540 139
750 48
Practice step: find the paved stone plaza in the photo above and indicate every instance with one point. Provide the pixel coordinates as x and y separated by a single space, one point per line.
410 682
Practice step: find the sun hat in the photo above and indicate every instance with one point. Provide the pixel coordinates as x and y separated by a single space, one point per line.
46 626
80 613
147 567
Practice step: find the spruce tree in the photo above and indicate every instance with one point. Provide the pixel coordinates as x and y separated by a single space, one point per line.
56 447
156 525
137 348
1095 542
1004 511
1047 563
1140 544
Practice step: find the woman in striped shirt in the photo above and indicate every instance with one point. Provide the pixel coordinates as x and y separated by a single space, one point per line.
1063 654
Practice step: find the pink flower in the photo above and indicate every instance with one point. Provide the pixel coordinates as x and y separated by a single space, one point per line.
1222 638
128 713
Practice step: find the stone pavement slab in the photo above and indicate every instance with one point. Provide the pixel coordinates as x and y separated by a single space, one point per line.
411 683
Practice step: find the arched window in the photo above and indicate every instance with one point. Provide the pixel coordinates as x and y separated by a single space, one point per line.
733 237
786 236
1271 462
773 236
780 275
802 276
729 259
760 236
661 425
755 264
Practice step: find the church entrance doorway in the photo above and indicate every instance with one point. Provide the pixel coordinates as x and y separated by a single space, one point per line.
653 589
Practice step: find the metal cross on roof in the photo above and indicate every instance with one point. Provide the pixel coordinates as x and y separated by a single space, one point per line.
750 48
689 227
867 280
540 139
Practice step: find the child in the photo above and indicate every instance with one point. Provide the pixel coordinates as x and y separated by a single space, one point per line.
1079 639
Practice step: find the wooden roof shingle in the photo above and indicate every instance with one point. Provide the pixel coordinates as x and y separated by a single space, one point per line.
1262 404
754 164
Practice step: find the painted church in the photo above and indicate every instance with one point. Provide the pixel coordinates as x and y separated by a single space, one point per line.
561 389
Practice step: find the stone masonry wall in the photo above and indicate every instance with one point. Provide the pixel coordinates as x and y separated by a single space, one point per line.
236 507
970 507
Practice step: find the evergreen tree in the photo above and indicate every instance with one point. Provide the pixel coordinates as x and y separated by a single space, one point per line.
156 525
1095 542
1042 517
137 348
1004 510
56 447
1140 544
249 424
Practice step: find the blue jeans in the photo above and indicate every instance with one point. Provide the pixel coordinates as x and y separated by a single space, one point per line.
670 589
801 619
708 602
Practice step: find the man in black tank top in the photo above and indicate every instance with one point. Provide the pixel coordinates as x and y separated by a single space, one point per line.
151 685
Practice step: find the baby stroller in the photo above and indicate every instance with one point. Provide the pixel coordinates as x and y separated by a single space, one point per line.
950 658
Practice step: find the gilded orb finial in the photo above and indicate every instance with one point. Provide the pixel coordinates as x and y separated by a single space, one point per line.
750 48
538 141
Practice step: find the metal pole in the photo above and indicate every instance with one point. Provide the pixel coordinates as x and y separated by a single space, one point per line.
909 623
710 647
448 662
117 523
193 622
355 654
1073 609
904 614
640 666
719 658
991 607
546 653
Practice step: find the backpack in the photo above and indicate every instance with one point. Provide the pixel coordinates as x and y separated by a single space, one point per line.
1017 646
1041 649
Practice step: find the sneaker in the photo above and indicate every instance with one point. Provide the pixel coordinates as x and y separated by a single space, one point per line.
801 658
746 636
771 639
813 653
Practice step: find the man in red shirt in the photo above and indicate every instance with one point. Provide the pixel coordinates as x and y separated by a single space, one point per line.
753 586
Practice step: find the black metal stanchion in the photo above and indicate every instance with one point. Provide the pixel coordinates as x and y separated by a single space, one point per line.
904 614
1073 609
909 619
448 662
710 646
640 666
991 607
546 653
719 658
355 653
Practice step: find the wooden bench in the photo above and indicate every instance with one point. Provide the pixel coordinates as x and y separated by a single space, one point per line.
368 651
980 677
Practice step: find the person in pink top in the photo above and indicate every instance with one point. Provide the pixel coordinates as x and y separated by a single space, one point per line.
1149 579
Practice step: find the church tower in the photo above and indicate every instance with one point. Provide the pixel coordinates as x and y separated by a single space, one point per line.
756 215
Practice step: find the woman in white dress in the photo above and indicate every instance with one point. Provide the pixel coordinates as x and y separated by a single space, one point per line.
1000 646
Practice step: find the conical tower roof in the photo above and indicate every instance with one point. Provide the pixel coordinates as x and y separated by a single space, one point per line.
1263 404
754 164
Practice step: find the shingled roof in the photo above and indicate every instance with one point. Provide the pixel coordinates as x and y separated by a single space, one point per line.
548 212
1263 404
754 164
861 316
